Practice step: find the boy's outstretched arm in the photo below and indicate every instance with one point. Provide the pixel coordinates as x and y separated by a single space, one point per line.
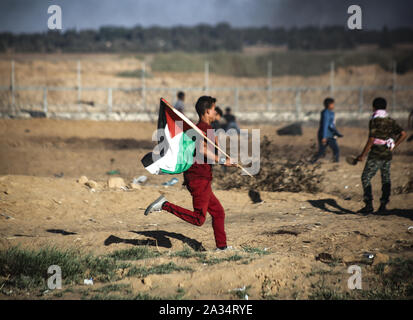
366 149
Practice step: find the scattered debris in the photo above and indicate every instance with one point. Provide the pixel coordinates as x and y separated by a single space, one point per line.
82 180
91 184
135 186
287 175
255 196
294 129
140 180
406 188
380 258
34 113
116 182
113 172
368 255
325 258
6 216
170 182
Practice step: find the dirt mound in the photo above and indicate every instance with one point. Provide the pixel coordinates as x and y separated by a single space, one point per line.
286 175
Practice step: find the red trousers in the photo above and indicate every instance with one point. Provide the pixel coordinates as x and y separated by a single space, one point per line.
203 200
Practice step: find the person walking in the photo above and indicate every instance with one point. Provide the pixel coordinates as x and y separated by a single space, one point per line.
328 132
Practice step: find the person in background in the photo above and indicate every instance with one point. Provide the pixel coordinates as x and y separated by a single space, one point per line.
231 122
328 132
179 105
216 124
384 136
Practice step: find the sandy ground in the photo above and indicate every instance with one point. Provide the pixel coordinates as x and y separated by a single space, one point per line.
40 209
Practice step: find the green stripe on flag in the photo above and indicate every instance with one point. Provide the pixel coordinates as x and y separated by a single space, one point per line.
185 155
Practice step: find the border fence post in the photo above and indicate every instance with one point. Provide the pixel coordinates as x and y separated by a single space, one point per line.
394 86
298 103
206 76
109 100
45 106
361 99
269 85
143 85
79 84
236 98
13 99
332 75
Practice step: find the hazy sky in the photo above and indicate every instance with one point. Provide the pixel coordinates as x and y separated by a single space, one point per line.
31 15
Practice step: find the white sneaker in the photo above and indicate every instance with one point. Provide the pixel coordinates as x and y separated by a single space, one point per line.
155 206
227 248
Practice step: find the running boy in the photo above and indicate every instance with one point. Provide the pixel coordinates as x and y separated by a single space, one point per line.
198 180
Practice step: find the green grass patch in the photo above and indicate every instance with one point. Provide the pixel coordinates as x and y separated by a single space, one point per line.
395 282
188 253
138 73
292 62
160 269
258 251
27 269
137 253
211 261
115 287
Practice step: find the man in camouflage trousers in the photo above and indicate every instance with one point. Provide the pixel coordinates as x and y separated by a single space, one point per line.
384 136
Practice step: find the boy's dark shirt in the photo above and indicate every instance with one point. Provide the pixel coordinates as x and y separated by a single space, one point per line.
383 128
229 117
216 125
197 170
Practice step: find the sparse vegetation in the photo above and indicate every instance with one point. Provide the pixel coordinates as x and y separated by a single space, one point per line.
27 269
383 282
290 175
187 253
214 260
160 269
257 251
136 253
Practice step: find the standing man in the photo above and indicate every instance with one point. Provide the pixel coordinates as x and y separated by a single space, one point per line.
328 132
383 132
198 180
179 105
231 120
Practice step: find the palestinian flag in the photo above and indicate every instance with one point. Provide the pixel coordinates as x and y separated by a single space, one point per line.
175 150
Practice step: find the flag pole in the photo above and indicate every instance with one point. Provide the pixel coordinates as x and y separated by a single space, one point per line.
189 122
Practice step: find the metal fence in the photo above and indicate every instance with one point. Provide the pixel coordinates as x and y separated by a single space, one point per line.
242 99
